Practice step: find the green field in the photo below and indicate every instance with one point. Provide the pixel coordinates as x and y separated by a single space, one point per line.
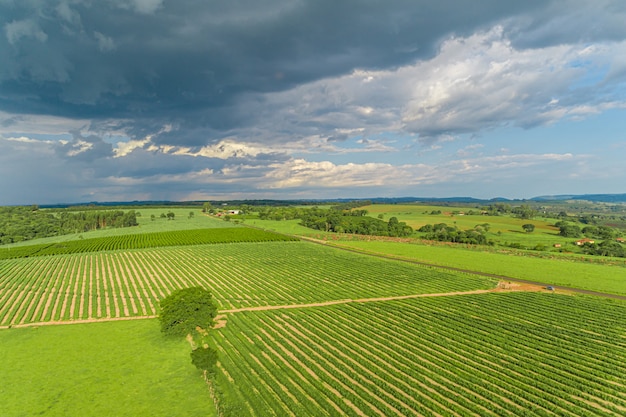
291 227
124 368
307 329
130 283
417 215
185 237
551 271
182 221
504 230
515 354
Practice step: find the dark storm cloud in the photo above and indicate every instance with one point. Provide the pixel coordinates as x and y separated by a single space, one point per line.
190 62
571 21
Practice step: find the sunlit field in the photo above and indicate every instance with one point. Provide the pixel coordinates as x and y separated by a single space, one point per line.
307 328
124 368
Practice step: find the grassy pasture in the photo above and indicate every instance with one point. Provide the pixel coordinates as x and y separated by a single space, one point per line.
291 227
511 354
124 368
552 267
557 270
503 229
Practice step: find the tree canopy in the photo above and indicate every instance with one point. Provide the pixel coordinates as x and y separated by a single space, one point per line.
186 309
18 224
204 359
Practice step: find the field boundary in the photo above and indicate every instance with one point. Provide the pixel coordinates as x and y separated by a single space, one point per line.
79 321
360 300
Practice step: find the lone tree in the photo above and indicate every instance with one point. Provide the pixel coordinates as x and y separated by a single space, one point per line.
184 310
528 228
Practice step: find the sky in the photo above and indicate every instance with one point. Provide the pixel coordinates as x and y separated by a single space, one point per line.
126 100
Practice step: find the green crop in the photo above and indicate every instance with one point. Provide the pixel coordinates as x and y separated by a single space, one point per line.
145 240
489 355
131 283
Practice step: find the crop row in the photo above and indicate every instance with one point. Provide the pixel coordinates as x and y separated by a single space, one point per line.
131 283
146 240
513 354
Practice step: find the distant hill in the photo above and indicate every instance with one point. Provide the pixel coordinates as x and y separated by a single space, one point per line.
596 198
604 198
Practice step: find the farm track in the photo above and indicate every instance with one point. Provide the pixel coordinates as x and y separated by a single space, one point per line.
466 271
361 300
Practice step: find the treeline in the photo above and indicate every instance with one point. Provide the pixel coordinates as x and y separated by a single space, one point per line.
443 233
523 211
356 222
342 218
597 232
606 248
18 224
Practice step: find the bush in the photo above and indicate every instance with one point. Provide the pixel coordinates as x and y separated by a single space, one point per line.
205 359
184 310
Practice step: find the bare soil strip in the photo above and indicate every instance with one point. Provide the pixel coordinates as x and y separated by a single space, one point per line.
85 279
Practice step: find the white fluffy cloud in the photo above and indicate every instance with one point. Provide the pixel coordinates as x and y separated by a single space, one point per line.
474 84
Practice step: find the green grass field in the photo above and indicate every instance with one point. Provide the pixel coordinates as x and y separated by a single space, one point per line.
555 271
291 227
504 230
124 368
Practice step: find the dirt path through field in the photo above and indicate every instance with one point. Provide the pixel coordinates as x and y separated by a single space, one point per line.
500 288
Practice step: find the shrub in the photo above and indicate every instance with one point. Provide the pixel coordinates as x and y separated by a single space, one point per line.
184 310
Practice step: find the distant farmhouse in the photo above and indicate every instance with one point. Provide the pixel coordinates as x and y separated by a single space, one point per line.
583 241
220 214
